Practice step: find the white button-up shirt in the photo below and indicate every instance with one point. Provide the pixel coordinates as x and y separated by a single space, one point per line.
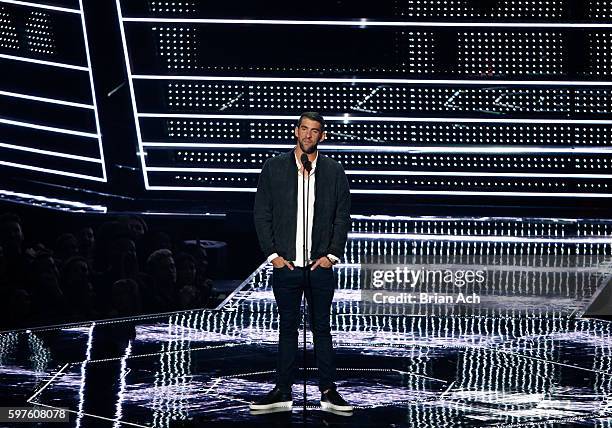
305 183
306 186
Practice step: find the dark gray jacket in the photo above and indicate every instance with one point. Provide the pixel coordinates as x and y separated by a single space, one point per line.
276 207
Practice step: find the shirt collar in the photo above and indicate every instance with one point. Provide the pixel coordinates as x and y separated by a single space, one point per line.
299 163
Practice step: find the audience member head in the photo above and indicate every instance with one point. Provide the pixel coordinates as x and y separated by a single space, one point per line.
44 273
185 269
86 240
123 256
160 265
135 224
11 234
77 287
200 256
75 272
66 246
125 298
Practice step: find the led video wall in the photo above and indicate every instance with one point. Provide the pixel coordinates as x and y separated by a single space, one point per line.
421 97
424 97
48 115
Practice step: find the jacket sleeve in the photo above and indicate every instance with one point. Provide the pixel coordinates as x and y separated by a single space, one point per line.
342 216
263 212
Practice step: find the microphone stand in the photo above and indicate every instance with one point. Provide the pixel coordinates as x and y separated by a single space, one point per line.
306 271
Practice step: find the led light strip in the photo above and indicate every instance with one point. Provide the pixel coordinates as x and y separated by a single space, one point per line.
74 204
93 90
141 151
217 170
221 145
529 220
397 192
478 174
50 153
204 189
390 173
42 62
46 100
393 149
473 238
348 118
51 171
42 388
40 6
184 214
480 193
365 23
376 81
498 268
48 128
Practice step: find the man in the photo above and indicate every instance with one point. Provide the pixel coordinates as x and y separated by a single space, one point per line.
286 194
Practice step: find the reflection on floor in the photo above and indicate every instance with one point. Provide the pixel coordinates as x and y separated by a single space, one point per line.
523 357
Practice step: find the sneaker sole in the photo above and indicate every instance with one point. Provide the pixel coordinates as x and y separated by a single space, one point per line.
329 406
287 405
278 410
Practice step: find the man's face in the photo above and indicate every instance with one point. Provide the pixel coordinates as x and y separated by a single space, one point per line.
86 237
167 269
11 234
136 228
308 135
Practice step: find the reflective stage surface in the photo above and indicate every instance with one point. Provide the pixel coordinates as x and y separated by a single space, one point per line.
524 356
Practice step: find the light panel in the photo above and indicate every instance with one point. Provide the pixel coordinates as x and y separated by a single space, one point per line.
66 61
449 99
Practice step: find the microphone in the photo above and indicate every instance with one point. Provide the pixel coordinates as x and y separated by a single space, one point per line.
306 162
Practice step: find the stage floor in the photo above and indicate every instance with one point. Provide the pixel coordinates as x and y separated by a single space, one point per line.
525 356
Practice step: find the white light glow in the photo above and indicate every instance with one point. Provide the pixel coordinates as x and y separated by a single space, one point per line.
42 62
204 189
141 152
365 23
51 171
42 388
481 193
48 128
195 169
40 6
220 145
475 238
396 192
381 119
46 100
376 81
385 217
394 173
393 149
93 90
83 374
50 153
44 199
477 174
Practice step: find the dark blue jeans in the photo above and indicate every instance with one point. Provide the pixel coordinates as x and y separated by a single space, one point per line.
288 286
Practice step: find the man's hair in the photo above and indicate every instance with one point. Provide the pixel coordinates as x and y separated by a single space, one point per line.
157 256
312 115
